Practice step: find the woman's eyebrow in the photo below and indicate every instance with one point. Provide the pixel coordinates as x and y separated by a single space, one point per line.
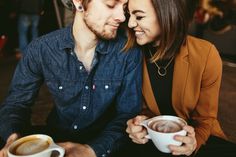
137 11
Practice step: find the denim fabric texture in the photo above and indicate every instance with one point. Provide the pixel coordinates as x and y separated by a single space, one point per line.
80 97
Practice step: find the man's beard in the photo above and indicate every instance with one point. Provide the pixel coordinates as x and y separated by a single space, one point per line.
103 34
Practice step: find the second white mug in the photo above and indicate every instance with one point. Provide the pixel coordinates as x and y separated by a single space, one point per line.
162 129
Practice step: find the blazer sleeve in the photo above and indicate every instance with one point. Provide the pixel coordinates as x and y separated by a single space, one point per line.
206 109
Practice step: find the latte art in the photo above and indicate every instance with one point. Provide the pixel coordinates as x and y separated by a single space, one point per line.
166 126
31 146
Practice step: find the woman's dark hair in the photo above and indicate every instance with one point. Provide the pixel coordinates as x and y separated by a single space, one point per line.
174 18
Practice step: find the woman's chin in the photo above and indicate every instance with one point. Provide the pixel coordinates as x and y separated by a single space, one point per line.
141 42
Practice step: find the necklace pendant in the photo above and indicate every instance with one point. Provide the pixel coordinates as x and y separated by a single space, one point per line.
162 71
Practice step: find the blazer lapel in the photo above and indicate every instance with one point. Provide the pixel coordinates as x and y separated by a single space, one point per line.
181 70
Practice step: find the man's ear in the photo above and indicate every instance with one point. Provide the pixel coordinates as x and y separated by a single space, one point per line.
78 5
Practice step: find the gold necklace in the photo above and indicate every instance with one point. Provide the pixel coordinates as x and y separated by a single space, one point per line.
161 70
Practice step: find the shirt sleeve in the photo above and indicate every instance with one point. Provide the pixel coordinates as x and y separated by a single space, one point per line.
15 110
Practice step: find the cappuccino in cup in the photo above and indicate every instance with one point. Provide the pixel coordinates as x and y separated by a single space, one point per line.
166 126
162 129
31 146
34 146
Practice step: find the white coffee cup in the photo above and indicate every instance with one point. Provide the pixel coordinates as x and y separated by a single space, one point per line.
162 129
37 145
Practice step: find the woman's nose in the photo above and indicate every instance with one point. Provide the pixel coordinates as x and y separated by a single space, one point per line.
132 22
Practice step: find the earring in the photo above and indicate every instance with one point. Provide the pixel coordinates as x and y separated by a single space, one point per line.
80 8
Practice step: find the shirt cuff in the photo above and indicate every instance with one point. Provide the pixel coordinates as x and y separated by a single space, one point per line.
102 148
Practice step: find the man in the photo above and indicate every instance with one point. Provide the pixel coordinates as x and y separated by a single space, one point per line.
88 75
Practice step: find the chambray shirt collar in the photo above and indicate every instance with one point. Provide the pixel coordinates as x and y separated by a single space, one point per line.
68 42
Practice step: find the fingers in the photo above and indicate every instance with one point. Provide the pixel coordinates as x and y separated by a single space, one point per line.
133 125
190 130
189 143
139 137
179 150
140 141
138 119
136 131
3 153
65 145
10 140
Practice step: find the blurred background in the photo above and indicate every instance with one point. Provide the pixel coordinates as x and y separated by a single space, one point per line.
213 20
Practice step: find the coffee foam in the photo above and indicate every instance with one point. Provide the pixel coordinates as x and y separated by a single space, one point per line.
31 146
165 126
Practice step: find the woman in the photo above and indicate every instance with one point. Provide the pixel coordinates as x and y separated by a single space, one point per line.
181 75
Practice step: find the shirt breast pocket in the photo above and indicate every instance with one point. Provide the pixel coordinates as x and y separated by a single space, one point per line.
106 89
65 92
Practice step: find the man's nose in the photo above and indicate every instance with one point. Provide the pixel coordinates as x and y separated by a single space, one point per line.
119 15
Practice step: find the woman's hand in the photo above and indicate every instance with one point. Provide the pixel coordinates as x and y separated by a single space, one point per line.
189 143
137 132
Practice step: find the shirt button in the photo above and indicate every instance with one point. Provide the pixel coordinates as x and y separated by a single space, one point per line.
72 53
86 87
106 86
103 155
84 107
80 67
108 151
60 87
75 127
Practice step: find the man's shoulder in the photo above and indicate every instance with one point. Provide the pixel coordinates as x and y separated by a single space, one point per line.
55 40
55 35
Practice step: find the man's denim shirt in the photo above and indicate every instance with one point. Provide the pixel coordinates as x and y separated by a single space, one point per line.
80 97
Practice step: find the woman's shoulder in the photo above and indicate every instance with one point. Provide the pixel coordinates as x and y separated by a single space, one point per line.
199 47
202 51
195 42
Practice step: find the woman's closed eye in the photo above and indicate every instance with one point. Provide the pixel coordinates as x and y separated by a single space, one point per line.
139 17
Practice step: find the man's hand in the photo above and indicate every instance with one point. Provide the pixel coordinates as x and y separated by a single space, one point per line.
77 150
10 140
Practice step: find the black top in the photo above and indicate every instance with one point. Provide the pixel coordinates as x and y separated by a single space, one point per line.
161 85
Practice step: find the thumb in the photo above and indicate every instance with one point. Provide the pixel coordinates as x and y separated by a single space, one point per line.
138 119
13 137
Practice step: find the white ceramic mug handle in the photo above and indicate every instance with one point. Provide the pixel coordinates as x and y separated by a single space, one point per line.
55 147
144 123
147 136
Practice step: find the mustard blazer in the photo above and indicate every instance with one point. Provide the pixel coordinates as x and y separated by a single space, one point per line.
195 91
